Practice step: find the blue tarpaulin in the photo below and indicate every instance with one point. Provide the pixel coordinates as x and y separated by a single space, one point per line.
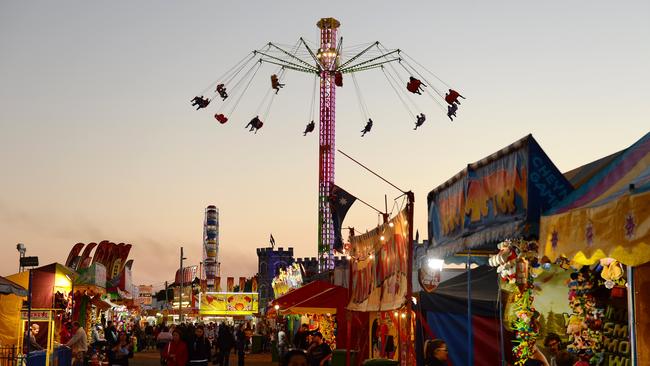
446 315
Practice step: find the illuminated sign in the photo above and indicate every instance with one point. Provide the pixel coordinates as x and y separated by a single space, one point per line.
228 303
288 279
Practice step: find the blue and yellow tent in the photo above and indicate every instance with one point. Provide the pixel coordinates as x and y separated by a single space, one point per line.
607 216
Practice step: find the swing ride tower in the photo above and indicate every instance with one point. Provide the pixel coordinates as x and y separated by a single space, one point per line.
327 67
328 57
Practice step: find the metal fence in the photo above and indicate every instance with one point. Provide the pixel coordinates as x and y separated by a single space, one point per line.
9 356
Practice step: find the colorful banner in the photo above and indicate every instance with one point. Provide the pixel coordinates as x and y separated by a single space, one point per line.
230 284
384 335
551 302
95 275
145 293
606 217
228 303
379 267
496 198
287 280
242 284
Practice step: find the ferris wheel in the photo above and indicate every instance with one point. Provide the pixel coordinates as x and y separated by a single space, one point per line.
329 63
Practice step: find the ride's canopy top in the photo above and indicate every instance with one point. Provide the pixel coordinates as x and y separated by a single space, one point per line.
608 215
499 197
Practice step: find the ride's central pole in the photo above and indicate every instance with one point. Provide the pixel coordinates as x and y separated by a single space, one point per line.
328 58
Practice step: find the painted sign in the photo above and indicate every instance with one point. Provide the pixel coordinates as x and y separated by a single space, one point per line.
379 267
94 275
497 198
37 315
288 279
228 303
145 293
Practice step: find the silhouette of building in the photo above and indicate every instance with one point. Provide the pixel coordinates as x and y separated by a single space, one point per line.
269 263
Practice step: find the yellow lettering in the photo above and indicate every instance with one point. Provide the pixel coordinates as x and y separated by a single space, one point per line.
618 361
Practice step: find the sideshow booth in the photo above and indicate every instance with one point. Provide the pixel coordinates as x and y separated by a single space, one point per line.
501 196
318 304
51 286
604 225
568 250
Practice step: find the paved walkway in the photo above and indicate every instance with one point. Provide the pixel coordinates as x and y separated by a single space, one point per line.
151 358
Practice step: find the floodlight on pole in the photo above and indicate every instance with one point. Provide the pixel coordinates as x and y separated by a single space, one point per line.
20 247
435 264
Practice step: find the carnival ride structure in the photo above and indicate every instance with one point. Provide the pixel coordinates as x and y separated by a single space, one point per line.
211 247
328 62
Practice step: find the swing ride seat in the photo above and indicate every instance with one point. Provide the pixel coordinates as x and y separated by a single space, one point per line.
338 79
452 97
413 86
221 118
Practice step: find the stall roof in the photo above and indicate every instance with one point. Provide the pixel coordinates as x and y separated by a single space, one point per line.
317 297
582 174
501 196
608 216
9 287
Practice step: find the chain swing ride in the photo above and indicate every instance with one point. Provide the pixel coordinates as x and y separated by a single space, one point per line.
328 63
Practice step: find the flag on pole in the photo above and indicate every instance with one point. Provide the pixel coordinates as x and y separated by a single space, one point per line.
340 203
272 241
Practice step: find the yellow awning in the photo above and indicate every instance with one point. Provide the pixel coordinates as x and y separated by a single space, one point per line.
618 229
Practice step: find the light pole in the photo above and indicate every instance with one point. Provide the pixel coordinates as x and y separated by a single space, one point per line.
180 299
20 247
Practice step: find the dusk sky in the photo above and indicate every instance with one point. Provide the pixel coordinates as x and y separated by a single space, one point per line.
98 140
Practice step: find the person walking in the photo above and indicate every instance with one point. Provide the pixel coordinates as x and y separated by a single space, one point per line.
320 352
162 340
241 344
110 333
78 343
120 351
436 353
175 352
283 345
300 340
225 342
199 348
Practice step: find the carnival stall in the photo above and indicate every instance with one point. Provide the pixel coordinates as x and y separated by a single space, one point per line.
499 197
51 286
318 304
12 295
601 231
228 304
88 290
380 269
